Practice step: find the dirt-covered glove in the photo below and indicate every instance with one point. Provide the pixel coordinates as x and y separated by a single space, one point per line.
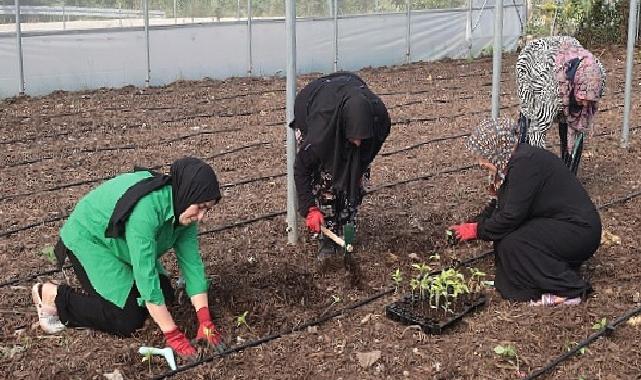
314 219
179 343
207 330
465 231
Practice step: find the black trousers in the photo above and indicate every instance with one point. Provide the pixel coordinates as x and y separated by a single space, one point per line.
76 309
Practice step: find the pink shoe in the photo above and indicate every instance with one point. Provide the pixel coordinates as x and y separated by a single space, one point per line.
549 299
47 315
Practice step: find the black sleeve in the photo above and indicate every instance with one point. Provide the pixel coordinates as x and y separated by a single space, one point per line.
304 166
523 182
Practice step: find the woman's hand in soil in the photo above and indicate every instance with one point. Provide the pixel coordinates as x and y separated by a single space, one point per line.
207 330
465 231
314 219
180 344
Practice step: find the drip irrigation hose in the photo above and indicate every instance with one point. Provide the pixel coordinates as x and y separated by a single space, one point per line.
132 146
257 179
605 331
314 322
94 180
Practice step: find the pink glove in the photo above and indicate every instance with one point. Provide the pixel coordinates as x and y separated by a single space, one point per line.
465 231
314 219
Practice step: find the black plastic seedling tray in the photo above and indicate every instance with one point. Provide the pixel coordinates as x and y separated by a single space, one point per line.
404 311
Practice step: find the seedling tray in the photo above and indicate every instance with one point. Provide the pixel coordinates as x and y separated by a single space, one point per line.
405 312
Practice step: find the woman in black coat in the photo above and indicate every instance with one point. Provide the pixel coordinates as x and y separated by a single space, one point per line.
341 125
543 222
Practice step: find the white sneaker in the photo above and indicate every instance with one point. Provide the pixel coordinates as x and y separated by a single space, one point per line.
47 315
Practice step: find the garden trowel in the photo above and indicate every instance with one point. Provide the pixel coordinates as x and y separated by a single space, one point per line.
349 233
166 352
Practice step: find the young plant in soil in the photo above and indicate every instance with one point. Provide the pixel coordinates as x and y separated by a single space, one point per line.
397 277
475 282
241 320
509 352
600 325
147 358
47 253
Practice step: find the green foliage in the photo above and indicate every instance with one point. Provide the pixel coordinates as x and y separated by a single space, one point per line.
47 253
600 325
242 319
510 353
397 277
592 22
507 351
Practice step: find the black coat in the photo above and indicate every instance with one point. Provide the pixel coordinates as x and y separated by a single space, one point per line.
329 111
544 226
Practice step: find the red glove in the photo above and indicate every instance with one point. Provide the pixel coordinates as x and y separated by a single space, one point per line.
179 343
465 231
207 330
314 219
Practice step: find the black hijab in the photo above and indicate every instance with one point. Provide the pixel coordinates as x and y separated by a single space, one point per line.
192 181
330 111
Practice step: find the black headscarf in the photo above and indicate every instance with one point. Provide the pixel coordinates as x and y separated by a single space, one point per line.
192 181
333 109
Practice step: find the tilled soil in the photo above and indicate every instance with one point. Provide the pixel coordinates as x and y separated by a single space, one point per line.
56 148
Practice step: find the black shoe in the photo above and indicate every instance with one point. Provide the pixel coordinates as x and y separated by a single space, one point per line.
326 250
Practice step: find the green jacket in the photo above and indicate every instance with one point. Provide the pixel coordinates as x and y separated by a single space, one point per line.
113 265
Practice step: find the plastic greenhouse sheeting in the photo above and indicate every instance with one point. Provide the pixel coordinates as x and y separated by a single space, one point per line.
80 60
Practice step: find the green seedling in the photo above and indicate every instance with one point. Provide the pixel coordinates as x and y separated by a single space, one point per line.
570 345
422 268
436 257
335 299
475 284
600 325
414 284
147 358
242 319
47 253
397 277
508 352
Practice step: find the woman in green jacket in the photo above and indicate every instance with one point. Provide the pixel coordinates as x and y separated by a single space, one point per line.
114 239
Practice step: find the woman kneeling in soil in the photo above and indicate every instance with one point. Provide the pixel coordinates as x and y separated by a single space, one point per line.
114 239
341 125
543 223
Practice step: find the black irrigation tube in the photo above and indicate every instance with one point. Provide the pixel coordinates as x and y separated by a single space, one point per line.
94 180
267 216
257 179
404 121
605 331
124 147
314 322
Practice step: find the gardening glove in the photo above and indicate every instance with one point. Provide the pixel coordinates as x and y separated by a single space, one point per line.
179 343
207 330
314 219
465 231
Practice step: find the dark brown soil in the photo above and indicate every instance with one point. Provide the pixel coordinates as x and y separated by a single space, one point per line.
56 148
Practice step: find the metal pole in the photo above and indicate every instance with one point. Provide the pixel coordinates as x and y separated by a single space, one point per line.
175 13
238 10
408 37
497 55
146 17
249 37
335 35
290 30
628 74
64 24
637 31
19 48
468 28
